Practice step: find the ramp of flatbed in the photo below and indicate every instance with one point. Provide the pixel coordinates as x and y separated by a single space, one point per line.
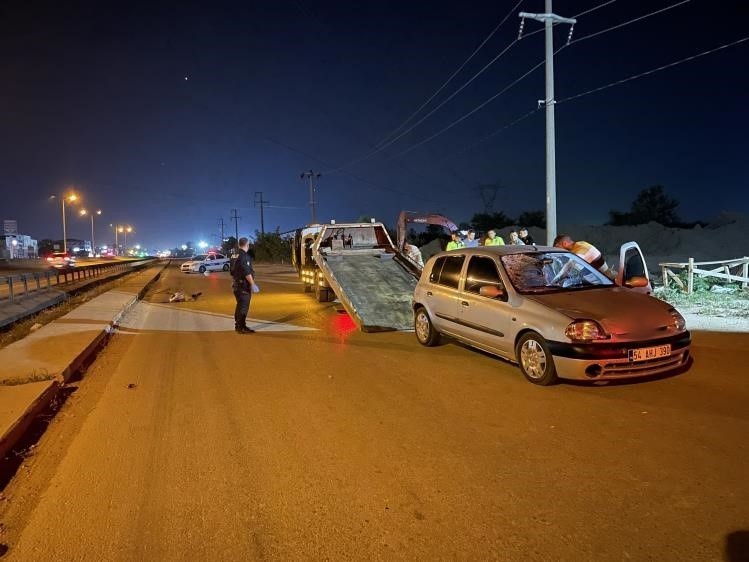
378 288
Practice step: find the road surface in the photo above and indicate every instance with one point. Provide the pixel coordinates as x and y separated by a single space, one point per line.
311 440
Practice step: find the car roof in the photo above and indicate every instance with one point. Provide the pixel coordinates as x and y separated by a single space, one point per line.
506 250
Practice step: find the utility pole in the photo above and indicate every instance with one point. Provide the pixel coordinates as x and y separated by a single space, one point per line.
312 176
222 230
235 218
260 204
549 19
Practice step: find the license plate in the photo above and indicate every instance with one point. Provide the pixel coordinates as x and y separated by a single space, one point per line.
646 353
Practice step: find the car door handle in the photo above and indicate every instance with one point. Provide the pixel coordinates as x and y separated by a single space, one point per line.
429 293
464 303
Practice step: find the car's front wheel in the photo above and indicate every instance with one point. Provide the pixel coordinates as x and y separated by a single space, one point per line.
425 332
201 269
535 360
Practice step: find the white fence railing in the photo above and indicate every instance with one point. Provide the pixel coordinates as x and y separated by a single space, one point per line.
721 271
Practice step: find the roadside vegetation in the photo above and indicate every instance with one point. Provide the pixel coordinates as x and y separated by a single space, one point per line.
709 298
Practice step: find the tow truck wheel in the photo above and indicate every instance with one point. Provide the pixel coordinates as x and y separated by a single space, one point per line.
535 359
321 293
226 267
425 332
307 287
201 269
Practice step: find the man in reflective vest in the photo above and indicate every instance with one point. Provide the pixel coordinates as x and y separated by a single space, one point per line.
456 243
493 240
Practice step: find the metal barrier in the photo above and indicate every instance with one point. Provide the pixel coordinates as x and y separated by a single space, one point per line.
16 286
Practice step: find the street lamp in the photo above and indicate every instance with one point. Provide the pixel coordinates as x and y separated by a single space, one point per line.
70 199
123 230
93 244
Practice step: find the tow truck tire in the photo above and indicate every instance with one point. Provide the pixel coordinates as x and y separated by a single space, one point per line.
535 359
425 332
201 269
307 287
226 267
322 294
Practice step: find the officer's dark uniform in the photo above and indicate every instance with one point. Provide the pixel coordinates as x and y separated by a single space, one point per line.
240 269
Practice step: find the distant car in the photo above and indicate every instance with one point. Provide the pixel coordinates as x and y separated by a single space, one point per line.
206 262
61 260
552 313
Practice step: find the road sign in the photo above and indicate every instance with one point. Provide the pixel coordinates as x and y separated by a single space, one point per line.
10 227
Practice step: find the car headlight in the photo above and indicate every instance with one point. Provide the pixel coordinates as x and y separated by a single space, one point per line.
584 331
679 323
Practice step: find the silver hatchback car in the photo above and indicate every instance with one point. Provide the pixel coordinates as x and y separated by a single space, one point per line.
552 313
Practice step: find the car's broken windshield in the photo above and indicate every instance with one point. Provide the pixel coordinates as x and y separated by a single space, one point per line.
544 272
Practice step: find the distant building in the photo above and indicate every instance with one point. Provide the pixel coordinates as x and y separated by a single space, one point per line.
18 246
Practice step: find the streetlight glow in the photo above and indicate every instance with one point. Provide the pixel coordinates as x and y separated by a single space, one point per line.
71 198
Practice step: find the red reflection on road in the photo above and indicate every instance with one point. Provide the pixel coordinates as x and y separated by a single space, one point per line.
343 325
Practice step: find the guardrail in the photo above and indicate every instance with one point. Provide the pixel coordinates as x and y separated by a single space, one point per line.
21 284
723 271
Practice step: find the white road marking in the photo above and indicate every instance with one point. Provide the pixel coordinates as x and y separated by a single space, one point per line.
148 316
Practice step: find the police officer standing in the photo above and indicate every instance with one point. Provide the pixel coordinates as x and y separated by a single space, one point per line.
243 286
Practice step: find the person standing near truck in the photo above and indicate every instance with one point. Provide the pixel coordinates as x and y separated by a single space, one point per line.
456 243
243 285
493 240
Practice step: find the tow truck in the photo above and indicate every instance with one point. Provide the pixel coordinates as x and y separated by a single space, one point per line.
358 264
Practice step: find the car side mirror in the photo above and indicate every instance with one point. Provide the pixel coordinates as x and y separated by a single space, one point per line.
491 291
637 281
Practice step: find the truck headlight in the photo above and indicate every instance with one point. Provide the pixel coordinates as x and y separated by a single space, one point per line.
585 331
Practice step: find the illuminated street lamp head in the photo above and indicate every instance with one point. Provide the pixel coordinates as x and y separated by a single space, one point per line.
129 228
98 212
72 197
83 212
120 229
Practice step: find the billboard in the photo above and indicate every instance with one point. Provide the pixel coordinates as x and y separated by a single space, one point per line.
10 227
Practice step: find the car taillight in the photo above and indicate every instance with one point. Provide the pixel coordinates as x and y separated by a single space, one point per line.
585 331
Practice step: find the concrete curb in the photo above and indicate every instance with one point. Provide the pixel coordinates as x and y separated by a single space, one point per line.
21 404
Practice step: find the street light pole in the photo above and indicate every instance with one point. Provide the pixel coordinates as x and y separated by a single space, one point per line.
64 232
72 197
116 246
93 243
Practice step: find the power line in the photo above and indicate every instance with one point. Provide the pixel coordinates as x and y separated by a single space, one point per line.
494 133
350 174
467 115
453 75
654 70
382 147
620 25
495 96
586 12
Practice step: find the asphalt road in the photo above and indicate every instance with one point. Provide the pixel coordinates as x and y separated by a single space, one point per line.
311 440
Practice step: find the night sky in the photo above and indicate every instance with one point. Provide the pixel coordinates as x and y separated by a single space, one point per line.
167 116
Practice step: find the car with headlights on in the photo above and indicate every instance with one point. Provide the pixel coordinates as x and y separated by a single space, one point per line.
552 313
206 262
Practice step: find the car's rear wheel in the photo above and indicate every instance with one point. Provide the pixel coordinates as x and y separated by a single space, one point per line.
201 269
535 360
226 267
425 332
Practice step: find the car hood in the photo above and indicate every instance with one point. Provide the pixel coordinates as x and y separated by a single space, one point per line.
618 310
